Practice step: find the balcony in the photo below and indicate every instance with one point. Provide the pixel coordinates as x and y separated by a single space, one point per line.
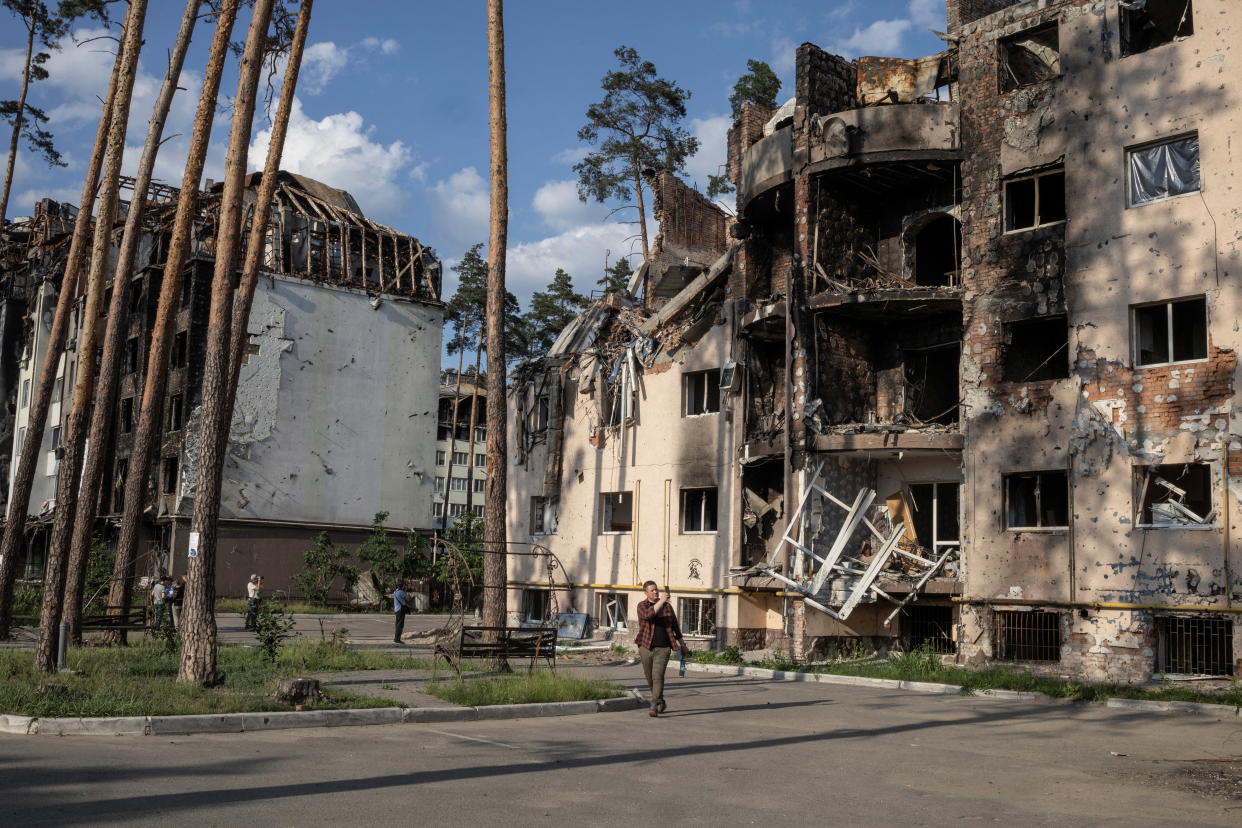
766 164
897 133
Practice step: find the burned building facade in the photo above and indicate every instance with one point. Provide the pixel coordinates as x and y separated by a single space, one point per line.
335 413
960 375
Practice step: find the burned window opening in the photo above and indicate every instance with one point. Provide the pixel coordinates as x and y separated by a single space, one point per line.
763 503
931 376
764 362
611 610
1037 500
1035 200
1170 332
126 420
536 604
1027 636
935 519
701 393
1146 24
176 412
1175 495
544 512
131 355
698 510
181 349
938 253
616 512
1194 646
928 627
1030 57
170 475
1037 350
1164 169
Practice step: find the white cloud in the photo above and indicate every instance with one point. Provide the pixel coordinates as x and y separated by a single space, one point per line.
572 155
419 172
713 136
883 37
385 46
928 14
580 251
320 64
784 55
339 150
558 204
461 210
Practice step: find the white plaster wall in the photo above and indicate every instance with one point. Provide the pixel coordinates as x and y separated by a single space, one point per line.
336 413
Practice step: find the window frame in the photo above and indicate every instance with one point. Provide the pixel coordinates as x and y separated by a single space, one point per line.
461 458
686 492
705 392
1131 204
937 544
441 457
1034 177
1006 76
691 621
1040 473
541 597
1168 303
1141 495
1124 37
605 512
538 517
457 484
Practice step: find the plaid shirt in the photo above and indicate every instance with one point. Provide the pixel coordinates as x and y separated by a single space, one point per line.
647 621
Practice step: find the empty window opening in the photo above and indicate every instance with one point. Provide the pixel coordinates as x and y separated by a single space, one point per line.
544 512
1146 24
1037 500
616 512
536 605
131 355
1175 495
1170 332
170 475
181 349
698 510
1163 170
938 253
1194 646
931 384
187 291
1030 57
928 627
1027 636
1035 200
702 392
935 515
136 299
539 414
1037 350
697 616
611 610
176 412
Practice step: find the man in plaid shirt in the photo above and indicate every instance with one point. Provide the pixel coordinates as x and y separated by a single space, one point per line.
657 630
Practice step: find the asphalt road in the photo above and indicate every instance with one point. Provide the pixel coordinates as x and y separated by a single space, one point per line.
731 751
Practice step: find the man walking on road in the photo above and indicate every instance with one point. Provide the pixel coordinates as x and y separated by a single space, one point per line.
657 630
400 607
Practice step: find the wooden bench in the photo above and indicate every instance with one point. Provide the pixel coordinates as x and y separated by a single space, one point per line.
533 643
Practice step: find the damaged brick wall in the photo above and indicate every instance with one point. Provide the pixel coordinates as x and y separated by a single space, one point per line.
961 12
688 219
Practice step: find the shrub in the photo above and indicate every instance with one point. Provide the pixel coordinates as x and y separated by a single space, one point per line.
322 564
273 628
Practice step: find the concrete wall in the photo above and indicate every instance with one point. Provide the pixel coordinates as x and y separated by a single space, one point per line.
336 412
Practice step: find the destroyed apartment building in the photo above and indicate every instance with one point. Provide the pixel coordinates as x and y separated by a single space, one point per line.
960 375
335 411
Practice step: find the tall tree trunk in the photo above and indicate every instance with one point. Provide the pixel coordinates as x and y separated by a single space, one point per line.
642 225
19 495
474 421
495 576
198 620
101 247
104 401
239 334
19 118
152 403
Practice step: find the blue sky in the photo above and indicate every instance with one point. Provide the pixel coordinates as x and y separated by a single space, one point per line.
392 105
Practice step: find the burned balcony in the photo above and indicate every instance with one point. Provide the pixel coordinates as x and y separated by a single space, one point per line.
768 163
900 138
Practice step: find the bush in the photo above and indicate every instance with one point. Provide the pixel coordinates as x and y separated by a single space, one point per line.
273 628
322 564
28 600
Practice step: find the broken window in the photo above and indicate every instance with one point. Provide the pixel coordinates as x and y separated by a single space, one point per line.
1035 200
1175 495
1194 646
440 457
457 484
1037 350
176 412
1170 332
1027 636
535 605
697 616
938 253
118 484
181 349
1146 24
931 385
616 512
1030 57
698 510
1163 170
170 475
925 627
702 393
611 609
935 515
543 515
131 355
1037 500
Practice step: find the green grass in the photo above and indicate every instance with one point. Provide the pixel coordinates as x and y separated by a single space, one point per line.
527 688
922 665
141 680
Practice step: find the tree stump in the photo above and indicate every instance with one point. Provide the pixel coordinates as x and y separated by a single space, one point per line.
298 690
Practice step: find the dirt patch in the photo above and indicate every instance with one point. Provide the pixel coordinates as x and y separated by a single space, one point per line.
1207 777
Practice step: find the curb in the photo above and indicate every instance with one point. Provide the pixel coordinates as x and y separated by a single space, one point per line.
1225 710
288 720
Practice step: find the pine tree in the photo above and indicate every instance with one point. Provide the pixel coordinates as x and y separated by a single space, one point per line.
637 126
760 86
550 311
465 312
617 277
